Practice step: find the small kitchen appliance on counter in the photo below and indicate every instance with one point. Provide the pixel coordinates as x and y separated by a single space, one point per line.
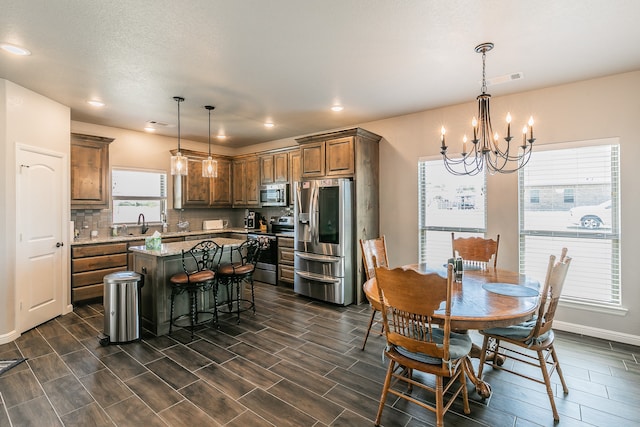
252 220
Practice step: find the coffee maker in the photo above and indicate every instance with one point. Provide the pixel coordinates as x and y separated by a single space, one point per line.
251 219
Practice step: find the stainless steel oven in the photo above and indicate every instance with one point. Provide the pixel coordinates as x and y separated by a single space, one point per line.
266 268
274 195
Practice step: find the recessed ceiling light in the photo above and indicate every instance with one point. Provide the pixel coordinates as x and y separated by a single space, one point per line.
95 103
337 108
269 125
16 50
149 129
221 136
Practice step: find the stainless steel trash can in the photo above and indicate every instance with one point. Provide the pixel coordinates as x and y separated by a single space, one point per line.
121 307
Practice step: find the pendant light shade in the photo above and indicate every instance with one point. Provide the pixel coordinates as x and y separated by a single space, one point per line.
179 163
210 166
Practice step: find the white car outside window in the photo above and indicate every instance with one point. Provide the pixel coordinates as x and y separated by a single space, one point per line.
591 217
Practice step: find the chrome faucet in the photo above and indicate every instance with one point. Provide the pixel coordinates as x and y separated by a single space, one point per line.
144 227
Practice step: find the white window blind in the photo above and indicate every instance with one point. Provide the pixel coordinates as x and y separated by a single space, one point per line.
136 192
447 203
569 197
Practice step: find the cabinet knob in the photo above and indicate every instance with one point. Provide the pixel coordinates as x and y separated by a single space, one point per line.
144 270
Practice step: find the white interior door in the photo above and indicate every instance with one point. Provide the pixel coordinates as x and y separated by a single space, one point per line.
39 239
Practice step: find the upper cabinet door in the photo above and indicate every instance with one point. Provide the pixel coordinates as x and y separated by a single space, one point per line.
266 170
281 167
89 171
340 156
312 159
221 185
196 188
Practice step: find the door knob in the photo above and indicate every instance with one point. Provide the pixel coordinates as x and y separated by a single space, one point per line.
59 244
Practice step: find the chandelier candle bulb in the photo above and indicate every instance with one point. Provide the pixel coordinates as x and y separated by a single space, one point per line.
531 127
474 123
442 132
509 125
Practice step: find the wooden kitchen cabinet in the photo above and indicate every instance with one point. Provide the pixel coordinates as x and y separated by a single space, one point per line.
196 191
295 171
89 265
220 195
274 168
246 182
89 171
334 157
285 261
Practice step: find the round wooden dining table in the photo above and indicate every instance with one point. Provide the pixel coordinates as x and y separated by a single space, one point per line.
484 299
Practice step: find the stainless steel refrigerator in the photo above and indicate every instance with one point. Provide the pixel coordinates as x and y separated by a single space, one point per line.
324 248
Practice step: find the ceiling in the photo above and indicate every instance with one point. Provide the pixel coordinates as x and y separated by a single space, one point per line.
289 61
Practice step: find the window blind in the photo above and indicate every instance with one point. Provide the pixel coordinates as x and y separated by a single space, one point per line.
447 203
569 198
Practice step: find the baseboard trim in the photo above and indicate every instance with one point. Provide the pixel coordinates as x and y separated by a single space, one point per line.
9 337
597 332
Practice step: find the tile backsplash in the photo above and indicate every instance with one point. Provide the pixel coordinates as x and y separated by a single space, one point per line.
87 220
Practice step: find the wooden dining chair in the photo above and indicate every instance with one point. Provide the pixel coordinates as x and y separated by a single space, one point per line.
417 341
374 254
476 252
521 341
197 276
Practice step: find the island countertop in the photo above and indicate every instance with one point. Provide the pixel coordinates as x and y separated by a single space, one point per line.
176 248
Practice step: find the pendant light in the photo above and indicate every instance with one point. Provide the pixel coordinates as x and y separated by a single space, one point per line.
210 166
179 163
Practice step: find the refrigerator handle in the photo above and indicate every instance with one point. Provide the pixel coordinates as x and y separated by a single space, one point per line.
313 209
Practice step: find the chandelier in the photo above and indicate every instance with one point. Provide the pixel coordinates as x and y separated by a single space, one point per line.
210 166
179 163
486 147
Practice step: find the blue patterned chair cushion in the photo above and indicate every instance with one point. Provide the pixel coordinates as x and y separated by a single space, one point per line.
459 346
519 331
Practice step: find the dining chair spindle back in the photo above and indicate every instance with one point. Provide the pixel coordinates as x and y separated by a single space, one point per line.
476 252
374 254
521 341
417 341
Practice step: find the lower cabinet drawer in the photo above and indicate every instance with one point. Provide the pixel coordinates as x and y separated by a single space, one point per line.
285 255
98 262
93 277
285 273
87 292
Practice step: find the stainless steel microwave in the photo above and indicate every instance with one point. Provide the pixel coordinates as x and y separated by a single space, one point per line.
274 195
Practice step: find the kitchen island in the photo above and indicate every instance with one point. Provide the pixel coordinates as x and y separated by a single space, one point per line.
156 267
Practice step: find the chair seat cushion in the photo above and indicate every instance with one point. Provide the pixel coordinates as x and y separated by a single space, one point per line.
459 346
519 332
231 269
195 278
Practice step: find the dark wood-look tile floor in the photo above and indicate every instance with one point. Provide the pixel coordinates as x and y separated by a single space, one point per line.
296 362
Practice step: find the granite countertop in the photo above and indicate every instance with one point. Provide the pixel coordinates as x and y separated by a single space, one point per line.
129 237
176 248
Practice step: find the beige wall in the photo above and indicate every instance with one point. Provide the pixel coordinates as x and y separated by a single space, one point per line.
600 108
30 119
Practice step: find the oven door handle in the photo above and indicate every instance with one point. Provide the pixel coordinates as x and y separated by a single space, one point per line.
320 258
317 277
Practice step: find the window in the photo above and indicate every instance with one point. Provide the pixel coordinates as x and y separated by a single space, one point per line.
136 192
447 203
578 208
535 196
